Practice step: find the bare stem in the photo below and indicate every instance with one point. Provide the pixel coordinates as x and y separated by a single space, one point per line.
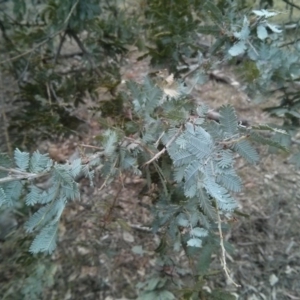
223 258
244 137
160 153
19 175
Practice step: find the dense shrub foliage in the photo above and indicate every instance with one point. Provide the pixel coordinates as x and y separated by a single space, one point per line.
167 137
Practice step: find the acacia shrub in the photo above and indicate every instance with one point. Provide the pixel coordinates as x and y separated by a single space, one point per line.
166 137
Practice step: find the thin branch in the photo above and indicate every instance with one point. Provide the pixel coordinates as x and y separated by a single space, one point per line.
26 68
107 216
43 42
223 259
109 175
191 71
253 48
134 141
63 38
71 11
7 138
24 24
20 175
158 140
293 42
291 4
67 55
5 122
244 137
4 35
90 146
84 50
143 228
88 159
160 153
32 49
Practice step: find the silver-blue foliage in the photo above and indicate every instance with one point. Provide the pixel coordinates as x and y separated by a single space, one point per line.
192 156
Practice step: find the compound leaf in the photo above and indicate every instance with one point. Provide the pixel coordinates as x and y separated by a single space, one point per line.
21 159
45 241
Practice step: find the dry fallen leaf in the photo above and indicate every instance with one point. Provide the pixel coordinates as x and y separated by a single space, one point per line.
128 237
167 83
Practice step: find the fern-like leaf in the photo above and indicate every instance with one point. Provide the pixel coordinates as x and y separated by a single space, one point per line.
224 200
39 162
230 182
254 136
199 232
49 195
181 157
199 148
169 134
2 197
179 173
110 140
213 11
148 137
38 218
204 221
13 191
70 191
205 258
224 159
134 89
268 128
88 173
195 242
5 161
21 159
33 196
76 167
62 175
215 130
128 162
228 120
191 178
152 96
206 206
203 135
45 241
246 151
177 115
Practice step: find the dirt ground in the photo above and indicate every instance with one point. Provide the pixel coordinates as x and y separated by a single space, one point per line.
95 258
266 258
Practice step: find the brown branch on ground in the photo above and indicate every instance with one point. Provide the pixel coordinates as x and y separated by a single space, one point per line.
291 4
108 216
72 34
5 121
61 42
4 35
